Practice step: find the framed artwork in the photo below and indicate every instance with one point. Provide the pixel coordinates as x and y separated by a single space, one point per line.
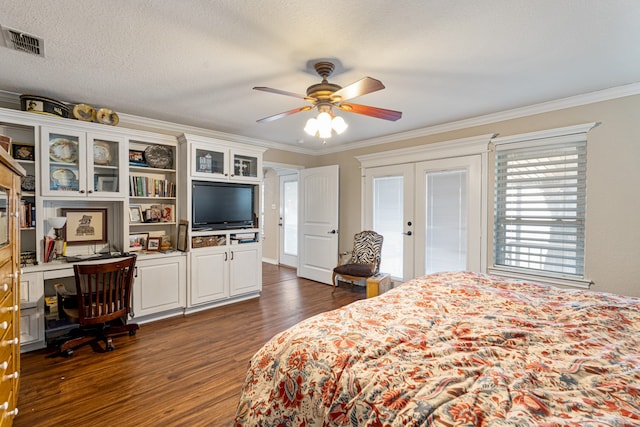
23 151
153 243
182 236
85 225
135 214
106 183
138 241
136 158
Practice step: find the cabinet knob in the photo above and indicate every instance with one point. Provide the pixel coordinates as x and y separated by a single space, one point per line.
14 341
4 325
9 309
4 365
11 376
81 191
11 413
4 287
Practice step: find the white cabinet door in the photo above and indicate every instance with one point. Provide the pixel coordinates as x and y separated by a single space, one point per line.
159 285
76 164
31 329
31 290
209 275
245 275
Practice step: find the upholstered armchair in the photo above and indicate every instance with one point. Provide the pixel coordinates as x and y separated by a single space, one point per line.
364 261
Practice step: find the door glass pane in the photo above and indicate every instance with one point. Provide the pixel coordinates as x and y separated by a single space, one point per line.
105 166
290 218
446 221
64 163
388 220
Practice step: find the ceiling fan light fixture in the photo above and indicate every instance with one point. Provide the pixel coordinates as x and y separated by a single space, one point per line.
311 127
324 124
339 125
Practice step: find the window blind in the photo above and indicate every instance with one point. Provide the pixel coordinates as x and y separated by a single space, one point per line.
539 207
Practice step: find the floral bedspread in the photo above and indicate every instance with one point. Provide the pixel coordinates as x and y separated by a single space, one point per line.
454 349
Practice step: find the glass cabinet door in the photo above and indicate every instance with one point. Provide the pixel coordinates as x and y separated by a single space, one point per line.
245 166
82 164
60 159
106 157
209 162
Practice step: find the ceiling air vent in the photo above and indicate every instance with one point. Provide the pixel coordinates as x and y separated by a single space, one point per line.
23 42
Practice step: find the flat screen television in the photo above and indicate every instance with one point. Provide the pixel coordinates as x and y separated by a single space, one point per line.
220 205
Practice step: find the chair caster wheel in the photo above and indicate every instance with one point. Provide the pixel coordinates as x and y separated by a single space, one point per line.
110 348
132 333
67 353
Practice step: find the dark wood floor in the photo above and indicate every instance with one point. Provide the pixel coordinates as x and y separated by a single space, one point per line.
185 371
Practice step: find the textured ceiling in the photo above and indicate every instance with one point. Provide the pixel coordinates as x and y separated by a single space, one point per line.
194 62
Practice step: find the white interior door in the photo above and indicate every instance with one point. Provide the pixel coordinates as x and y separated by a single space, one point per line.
388 194
288 221
448 234
318 223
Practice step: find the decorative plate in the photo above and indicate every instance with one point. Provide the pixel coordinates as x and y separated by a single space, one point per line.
107 117
159 156
84 112
101 153
63 177
28 183
63 150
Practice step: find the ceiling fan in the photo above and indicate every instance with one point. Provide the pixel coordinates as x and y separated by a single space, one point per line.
326 95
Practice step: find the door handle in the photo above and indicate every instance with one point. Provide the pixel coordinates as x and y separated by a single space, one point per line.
333 232
408 233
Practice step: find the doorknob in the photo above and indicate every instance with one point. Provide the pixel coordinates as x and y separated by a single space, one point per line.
333 232
408 233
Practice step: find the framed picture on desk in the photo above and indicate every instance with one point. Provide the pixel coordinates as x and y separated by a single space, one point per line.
85 225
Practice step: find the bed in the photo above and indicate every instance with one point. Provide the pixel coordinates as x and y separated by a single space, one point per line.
454 349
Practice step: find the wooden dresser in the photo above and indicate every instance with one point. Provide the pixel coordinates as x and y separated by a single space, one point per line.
10 173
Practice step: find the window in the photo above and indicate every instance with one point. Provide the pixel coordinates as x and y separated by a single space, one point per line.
540 203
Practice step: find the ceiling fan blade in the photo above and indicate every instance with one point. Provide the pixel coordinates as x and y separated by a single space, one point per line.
282 92
286 113
361 87
379 113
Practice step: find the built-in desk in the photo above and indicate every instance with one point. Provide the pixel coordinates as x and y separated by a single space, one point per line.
159 291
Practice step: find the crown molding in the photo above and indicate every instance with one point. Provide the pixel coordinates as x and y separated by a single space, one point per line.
544 107
11 100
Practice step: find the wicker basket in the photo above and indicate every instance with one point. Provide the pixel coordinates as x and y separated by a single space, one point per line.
206 241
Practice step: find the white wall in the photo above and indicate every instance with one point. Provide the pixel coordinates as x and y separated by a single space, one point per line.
613 181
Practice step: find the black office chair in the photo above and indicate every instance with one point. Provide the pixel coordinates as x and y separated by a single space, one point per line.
102 303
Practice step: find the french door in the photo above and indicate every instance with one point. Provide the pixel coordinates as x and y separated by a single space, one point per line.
389 199
430 214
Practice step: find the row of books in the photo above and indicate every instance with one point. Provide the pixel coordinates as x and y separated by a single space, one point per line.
144 186
27 214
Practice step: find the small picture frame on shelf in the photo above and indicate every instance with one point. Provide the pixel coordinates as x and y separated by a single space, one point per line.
21 151
181 245
153 243
138 241
135 214
136 158
106 183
